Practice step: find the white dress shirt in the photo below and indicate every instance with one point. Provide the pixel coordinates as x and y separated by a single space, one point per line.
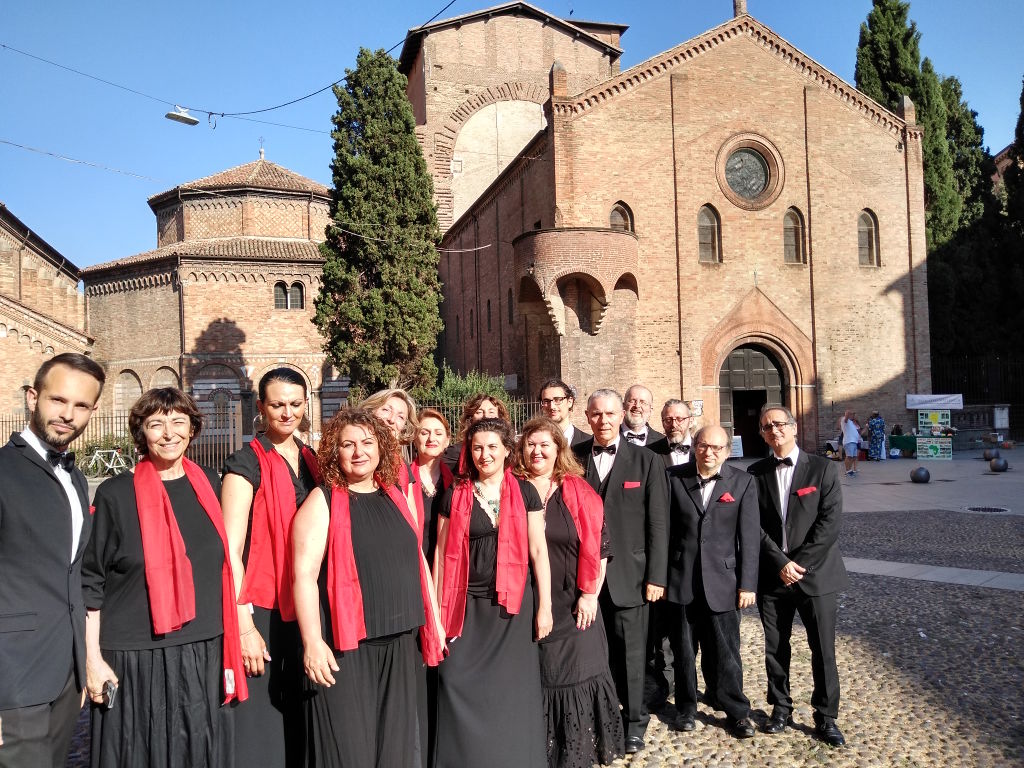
642 440
77 513
784 480
681 457
603 461
706 491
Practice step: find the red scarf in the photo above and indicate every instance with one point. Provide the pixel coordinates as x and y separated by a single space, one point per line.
344 593
587 511
172 599
268 577
513 553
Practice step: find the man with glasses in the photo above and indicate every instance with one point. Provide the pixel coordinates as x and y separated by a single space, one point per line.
557 400
714 540
802 570
675 447
638 404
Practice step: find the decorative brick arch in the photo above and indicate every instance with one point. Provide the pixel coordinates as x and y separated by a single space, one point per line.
755 319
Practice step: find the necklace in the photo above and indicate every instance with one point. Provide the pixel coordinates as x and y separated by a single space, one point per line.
491 506
552 487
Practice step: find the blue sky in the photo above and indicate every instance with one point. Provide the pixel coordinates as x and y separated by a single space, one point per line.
233 56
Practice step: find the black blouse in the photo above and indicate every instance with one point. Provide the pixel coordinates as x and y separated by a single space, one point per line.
245 463
388 563
114 571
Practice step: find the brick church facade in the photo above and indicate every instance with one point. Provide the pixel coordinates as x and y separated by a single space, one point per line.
728 221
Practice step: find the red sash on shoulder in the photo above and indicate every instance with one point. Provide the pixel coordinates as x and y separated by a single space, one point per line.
172 599
513 553
345 594
587 511
267 582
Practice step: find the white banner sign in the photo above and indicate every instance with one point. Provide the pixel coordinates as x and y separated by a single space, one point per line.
935 402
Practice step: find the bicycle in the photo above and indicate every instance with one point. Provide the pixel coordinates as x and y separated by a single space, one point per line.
108 462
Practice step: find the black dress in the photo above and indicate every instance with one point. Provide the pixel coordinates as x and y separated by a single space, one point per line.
581 708
368 717
168 711
269 725
489 703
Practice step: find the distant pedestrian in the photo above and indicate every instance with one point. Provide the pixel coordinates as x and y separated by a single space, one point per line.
876 436
850 429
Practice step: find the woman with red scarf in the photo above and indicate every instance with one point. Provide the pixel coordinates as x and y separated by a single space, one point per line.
168 643
362 592
581 708
491 531
264 483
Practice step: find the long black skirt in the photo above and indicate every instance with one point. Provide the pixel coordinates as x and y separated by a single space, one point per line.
367 719
489 702
168 711
581 708
269 725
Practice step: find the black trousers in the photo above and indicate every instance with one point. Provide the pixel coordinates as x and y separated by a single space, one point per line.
627 647
818 613
718 637
40 735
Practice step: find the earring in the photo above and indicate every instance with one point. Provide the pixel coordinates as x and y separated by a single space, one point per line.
258 423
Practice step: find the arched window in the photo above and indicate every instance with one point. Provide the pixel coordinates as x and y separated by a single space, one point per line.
793 237
296 296
280 296
867 239
127 389
709 237
621 217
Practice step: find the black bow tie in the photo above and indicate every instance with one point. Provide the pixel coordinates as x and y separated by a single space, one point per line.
680 447
702 481
788 461
631 436
609 449
65 459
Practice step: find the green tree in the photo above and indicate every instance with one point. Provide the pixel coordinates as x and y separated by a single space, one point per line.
1013 179
458 388
972 164
378 306
888 67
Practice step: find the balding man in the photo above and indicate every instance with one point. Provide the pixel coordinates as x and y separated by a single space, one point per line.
676 446
637 407
714 541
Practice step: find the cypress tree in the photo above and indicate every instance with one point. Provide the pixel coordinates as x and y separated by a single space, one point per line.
1013 179
378 308
972 164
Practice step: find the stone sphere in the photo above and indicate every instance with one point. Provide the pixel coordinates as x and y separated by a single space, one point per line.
998 465
920 475
990 453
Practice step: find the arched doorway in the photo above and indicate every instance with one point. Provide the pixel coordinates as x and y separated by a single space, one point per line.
750 377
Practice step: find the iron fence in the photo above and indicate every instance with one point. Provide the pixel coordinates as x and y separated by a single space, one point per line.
519 412
984 381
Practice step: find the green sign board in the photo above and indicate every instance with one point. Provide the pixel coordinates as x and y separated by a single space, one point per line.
935 448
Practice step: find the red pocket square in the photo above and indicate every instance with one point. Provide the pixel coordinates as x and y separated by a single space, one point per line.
92 510
808 489
726 497
631 484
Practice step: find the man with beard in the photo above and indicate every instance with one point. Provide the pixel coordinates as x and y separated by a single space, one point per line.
44 526
676 446
557 400
637 410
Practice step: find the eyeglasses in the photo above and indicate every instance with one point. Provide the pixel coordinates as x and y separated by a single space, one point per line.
779 425
710 447
641 403
670 419
548 402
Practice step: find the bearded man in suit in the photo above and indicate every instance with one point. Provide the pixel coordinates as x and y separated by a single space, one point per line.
44 526
631 482
714 540
557 400
676 447
802 569
637 410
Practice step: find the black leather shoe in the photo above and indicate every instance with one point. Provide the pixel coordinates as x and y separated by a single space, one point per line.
829 732
686 722
742 729
634 744
777 722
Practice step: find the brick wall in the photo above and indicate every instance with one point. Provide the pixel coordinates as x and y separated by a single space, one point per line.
35 281
234 215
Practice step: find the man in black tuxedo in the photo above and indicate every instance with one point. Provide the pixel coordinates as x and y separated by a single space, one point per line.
557 400
638 404
44 526
714 539
676 447
632 484
802 569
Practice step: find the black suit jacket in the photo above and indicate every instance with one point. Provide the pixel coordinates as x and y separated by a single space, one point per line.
662 449
42 615
636 516
723 540
812 525
579 436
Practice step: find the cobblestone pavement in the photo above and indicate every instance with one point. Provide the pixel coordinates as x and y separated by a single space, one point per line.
932 674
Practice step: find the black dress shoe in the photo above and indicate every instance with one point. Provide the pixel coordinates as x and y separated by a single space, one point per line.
686 722
634 744
742 729
829 732
777 722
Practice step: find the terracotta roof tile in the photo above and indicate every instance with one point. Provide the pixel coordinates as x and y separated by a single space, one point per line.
260 174
255 248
